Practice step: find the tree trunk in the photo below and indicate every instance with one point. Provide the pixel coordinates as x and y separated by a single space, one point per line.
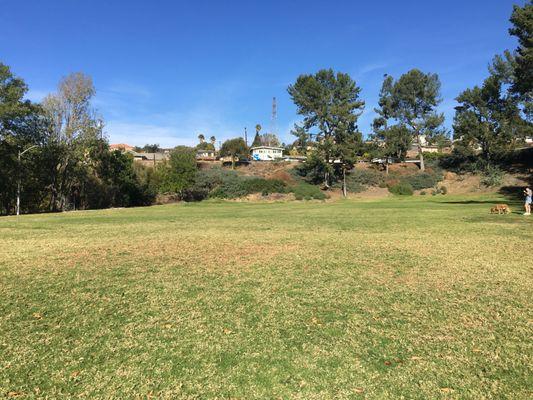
326 174
422 166
344 193
420 154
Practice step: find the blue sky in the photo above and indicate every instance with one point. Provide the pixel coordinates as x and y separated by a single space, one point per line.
166 71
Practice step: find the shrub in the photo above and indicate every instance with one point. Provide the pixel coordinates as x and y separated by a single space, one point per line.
443 189
364 177
493 176
305 191
401 189
423 193
351 186
264 186
242 186
178 173
312 170
207 180
421 180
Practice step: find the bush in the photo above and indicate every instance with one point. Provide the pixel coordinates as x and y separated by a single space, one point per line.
305 191
243 186
207 180
365 177
493 176
401 189
423 193
312 170
422 180
444 190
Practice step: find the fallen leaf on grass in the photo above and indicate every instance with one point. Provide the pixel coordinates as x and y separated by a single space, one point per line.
37 315
74 374
359 390
227 331
446 390
14 394
387 363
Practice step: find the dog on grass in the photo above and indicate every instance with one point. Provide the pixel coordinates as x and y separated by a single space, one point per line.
500 209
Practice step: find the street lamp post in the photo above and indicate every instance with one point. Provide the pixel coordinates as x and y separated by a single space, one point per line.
21 153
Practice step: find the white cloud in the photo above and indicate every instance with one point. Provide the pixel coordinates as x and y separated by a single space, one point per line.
138 134
372 67
131 119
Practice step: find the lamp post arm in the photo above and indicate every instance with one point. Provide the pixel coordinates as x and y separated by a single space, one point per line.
19 183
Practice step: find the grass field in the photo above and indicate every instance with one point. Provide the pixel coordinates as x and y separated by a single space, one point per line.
420 298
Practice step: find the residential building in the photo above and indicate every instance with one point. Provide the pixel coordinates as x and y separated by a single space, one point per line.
206 155
266 153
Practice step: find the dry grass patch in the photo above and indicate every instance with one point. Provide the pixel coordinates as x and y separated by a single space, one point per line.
418 298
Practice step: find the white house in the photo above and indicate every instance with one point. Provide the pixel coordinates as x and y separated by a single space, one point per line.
206 155
266 153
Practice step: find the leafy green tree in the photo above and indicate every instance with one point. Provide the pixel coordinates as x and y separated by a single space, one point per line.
151 148
234 148
125 187
74 123
488 118
69 158
302 139
391 141
177 175
205 146
22 126
330 105
410 104
257 138
522 20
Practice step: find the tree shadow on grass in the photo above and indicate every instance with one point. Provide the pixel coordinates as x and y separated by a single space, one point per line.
516 193
469 202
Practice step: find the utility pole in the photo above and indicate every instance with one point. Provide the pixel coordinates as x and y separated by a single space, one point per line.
21 153
246 136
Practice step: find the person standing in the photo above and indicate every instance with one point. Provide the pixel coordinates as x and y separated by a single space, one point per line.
529 194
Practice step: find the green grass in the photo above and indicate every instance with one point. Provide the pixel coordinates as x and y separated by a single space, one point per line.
423 297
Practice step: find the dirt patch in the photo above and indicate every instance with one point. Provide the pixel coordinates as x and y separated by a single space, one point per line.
267 169
404 169
370 193
167 198
269 198
471 183
281 175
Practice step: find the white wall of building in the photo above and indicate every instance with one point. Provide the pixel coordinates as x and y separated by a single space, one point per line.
265 153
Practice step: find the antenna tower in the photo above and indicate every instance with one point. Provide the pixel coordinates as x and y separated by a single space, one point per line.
274 121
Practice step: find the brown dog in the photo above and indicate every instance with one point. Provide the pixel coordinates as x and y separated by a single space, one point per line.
500 209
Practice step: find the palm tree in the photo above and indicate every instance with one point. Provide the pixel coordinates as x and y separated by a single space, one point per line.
257 128
201 138
213 139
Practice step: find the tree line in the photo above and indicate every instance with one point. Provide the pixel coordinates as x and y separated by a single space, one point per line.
56 155
490 120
